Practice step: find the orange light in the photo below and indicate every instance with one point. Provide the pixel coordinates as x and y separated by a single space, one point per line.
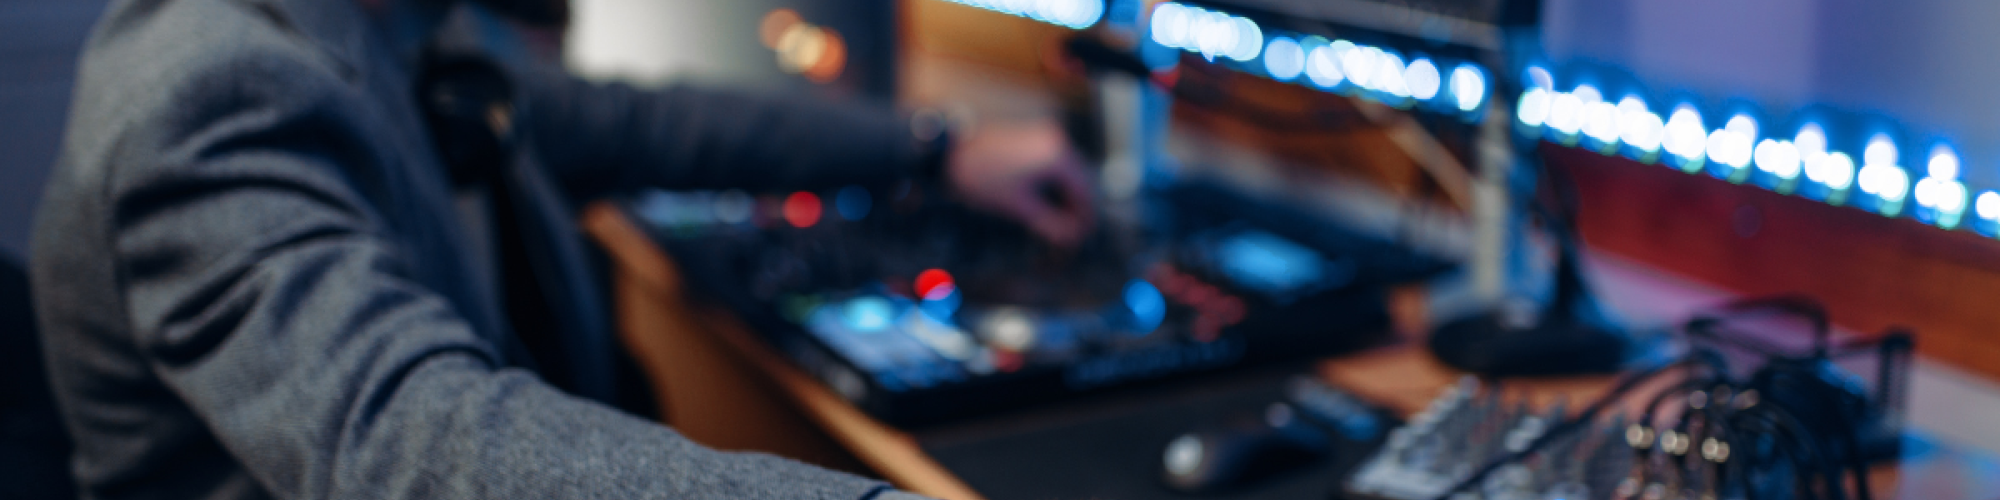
802 209
775 24
831 60
934 281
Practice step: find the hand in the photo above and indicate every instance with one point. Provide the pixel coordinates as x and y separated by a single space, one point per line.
1026 171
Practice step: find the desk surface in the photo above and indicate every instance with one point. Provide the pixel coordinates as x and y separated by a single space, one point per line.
720 386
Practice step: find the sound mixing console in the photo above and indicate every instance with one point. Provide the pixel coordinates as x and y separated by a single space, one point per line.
919 310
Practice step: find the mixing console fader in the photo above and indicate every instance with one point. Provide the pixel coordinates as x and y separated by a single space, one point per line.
919 310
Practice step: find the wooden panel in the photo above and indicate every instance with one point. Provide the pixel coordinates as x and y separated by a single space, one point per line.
1871 271
773 406
720 387
705 390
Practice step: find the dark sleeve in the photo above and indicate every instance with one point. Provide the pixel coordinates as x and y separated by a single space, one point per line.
612 135
263 285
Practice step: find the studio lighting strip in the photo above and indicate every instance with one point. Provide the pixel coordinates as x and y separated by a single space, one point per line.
1796 161
1340 66
1072 14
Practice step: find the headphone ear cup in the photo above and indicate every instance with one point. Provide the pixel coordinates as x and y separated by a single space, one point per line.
537 13
468 105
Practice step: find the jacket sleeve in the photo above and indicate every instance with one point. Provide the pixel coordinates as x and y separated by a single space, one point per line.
264 287
599 136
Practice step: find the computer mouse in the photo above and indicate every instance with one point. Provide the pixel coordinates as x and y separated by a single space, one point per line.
1243 450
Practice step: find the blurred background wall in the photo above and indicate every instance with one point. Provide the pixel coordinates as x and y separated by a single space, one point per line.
39 41
1926 64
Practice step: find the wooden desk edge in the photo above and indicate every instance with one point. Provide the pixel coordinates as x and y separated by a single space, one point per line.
891 452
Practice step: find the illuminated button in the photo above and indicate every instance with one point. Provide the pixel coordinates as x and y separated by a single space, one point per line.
853 202
868 314
802 209
733 207
1009 329
1149 307
934 284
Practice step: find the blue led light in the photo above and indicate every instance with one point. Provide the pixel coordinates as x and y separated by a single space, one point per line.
1940 197
1359 65
1986 209
1779 158
1600 121
868 313
1734 144
1638 127
1423 79
1835 171
1209 33
1685 137
853 202
1149 307
1389 70
1566 114
941 307
1874 178
1987 206
1881 178
1072 14
1284 59
1323 64
1468 86
1534 108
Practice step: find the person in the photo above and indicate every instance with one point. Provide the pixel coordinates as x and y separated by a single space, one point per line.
251 280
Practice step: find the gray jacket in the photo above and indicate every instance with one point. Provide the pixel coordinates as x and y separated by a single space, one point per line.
252 283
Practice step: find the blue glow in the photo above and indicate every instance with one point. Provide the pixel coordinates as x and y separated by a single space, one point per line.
1359 65
1778 158
1811 139
1468 86
1268 262
1988 206
1600 122
853 202
1534 108
1566 113
942 307
1941 191
1686 138
1537 76
1638 126
1284 59
1423 79
1885 181
1835 171
1209 33
1072 14
1323 64
1944 195
1734 144
1944 163
1148 306
868 313
1880 151
1389 74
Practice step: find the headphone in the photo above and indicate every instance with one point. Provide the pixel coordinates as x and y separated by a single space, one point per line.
538 13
